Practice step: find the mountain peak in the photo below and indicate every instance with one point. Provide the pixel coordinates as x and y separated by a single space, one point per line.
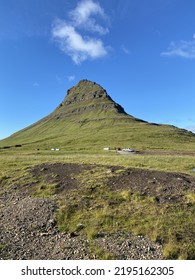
89 96
85 90
87 83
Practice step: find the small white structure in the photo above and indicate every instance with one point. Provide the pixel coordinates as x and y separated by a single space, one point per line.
106 149
55 149
131 150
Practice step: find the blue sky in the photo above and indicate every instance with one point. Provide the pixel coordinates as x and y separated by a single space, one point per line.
141 51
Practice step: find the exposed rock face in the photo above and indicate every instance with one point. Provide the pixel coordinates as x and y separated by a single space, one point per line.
87 95
85 90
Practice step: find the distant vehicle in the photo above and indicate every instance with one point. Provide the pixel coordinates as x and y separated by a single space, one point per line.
129 150
106 149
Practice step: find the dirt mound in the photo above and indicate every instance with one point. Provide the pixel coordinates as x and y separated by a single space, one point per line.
165 187
64 175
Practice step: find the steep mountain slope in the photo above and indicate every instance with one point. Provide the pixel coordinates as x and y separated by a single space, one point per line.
89 119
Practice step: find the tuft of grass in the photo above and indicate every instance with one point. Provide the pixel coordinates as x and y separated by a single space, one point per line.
65 215
99 253
190 197
45 189
2 247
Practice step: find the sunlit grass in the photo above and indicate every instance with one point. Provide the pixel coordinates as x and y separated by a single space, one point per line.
93 208
184 164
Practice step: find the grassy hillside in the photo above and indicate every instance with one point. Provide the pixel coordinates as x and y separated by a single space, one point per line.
88 119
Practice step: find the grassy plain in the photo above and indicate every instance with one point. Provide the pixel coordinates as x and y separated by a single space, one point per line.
173 163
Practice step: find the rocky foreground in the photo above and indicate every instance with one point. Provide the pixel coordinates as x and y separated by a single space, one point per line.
28 224
28 228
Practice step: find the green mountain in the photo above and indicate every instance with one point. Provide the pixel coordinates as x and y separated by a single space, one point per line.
88 119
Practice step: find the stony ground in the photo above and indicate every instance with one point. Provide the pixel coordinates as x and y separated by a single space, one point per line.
28 224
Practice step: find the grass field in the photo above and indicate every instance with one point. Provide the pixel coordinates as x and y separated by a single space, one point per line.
110 210
173 163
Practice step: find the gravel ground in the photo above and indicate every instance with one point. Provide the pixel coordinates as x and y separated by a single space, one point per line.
28 228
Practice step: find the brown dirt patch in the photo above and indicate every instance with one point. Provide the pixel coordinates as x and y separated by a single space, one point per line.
165 187
64 175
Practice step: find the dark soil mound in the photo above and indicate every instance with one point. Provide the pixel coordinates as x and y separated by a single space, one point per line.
165 187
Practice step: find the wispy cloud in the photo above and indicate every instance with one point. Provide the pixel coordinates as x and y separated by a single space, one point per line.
191 125
35 84
191 128
125 49
69 33
71 78
185 49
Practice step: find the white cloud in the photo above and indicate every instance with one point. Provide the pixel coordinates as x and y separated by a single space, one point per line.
190 128
185 49
82 16
68 33
78 47
71 78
